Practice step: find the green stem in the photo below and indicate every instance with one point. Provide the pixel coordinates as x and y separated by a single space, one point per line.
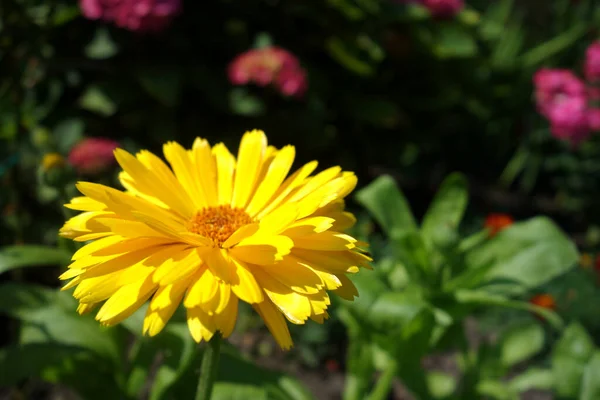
383 386
208 371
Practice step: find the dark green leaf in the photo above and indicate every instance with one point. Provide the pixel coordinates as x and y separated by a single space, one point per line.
67 133
387 204
525 256
13 257
96 100
447 208
163 82
242 102
102 46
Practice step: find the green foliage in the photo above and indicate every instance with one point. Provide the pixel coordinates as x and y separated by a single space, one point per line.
448 279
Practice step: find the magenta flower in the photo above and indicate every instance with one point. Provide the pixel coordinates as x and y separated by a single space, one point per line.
444 8
93 155
269 66
591 68
593 116
562 98
135 15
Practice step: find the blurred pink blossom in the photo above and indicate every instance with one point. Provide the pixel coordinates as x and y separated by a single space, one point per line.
93 155
591 68
594 119
269 66
562 98
135 15
443 8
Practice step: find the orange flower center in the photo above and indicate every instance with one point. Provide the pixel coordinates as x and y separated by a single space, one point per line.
218 223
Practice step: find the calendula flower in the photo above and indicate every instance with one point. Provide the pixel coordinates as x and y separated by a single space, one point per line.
210 230
544 300
497 222
52 160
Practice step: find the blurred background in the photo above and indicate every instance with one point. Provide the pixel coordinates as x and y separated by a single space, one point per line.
504 92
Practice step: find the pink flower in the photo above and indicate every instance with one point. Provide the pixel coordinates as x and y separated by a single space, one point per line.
562 98
269 66
591 68
444 8
135 15
93 155
569 120
594 119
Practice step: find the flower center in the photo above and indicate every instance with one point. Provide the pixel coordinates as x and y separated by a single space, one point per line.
218 223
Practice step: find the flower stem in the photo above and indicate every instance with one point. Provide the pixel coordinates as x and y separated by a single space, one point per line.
208 371
384 384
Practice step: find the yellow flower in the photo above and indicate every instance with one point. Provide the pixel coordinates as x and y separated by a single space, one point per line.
52 160
212 230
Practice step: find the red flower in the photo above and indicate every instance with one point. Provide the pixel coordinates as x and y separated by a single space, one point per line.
497 222
543 300
269 66
93 155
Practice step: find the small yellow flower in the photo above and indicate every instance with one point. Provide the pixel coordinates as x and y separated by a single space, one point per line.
586 260
52 160
211 230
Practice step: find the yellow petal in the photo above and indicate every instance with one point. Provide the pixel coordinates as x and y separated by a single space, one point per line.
187 264
347 291
183 168
308 226
316 182
279 220
225 162
242 233
201 325
328 241
83 203
250 156
150 184
203 287
291 183
205 170
295 275
220 265
296 307
162 306
125 301
227 317
245 286
262 249
276 173
333 261
275 322
85 308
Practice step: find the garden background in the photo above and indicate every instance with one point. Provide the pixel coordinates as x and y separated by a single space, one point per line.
475 119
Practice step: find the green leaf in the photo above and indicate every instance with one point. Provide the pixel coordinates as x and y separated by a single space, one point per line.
392 311
49 316
347 55
440 385
520 342
101 46
67 133
240 379
533 378
242 102
13 257
163 82
569 359
447 208
544 51
484 298
525 256
96 100
387 204
69 366
590 387
411 250
453 41
495 390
